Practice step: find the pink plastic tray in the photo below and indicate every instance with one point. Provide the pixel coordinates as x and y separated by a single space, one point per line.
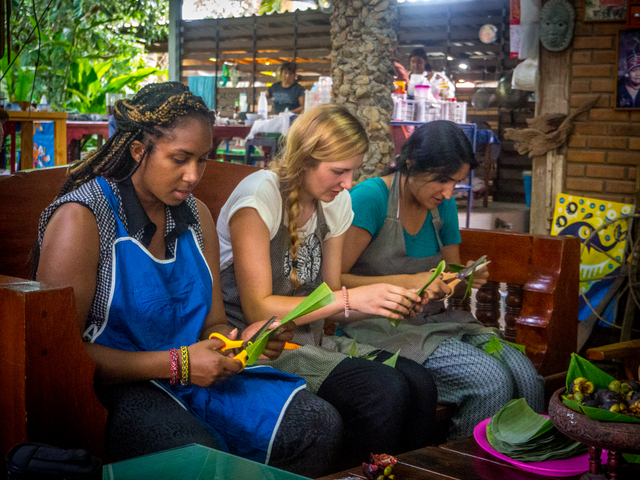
552 468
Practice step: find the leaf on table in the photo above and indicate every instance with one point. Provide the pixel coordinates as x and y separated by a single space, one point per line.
522 434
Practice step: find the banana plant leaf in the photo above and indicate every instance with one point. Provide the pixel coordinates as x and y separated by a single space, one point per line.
520 433
579 367
631 457
320 297
391 361
436 273
353 351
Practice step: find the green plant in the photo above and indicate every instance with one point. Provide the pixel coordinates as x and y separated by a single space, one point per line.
18 81
82 49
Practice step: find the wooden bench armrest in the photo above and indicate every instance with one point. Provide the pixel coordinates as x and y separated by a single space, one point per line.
545 272
47 393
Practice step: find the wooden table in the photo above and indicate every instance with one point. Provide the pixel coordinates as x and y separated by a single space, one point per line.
26 120
78 131
458 460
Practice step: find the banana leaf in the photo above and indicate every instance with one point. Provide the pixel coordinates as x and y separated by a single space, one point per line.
520 433
579 367
320 297
436 273
391 361
353 351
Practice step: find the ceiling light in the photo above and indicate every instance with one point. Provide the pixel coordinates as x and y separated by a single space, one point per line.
463 66
449 58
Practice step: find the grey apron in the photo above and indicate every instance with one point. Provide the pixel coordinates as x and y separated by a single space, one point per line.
319 354
418 337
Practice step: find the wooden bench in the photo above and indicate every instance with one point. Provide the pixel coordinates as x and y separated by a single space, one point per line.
48 390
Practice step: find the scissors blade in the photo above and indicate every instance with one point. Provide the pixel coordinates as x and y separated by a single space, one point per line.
263 329
465 272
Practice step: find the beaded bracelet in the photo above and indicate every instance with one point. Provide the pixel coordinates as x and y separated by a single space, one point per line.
174 366
184 379
346 302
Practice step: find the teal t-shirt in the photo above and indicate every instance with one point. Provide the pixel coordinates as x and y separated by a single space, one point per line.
369 202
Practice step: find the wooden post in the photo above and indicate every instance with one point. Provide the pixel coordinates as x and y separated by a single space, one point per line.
26 144
548 171
175 21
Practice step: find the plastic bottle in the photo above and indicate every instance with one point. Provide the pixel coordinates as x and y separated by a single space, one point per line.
263 106
243 101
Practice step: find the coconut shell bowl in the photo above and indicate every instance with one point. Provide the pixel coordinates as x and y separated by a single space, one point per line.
616 437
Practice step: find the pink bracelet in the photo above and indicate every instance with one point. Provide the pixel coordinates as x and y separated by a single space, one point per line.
174 366
346 302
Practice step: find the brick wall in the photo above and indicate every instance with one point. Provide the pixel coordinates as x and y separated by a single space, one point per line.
604 151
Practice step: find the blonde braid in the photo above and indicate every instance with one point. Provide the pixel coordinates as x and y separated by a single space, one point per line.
292 209
325 133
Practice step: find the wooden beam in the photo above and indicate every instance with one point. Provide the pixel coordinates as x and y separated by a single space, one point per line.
548 170
175 21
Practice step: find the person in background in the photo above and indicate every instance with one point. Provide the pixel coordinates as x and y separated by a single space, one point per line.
404 224
419 64
287 93
629 85
142 256
281 234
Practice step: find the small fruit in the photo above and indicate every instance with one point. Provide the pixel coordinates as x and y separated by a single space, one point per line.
603 396
616 407
616 386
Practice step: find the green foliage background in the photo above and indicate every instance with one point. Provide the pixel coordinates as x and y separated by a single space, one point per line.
85 48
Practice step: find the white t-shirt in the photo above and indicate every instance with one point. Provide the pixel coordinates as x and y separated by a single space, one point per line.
261 190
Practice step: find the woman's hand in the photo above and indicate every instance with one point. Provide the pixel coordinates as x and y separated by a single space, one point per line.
276 342
208 365
383 299
436 291
480 276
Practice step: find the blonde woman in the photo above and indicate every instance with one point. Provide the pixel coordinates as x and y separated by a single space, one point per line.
281 234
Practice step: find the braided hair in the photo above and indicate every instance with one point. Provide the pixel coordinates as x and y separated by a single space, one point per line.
151 112
326 133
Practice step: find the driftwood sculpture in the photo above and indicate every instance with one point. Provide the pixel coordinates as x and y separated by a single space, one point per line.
546 132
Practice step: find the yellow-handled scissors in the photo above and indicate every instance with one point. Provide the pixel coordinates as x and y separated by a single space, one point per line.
239 347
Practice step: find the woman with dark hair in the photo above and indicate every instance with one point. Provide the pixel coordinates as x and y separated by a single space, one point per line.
404 224
419 63
142 256
287 93
281 234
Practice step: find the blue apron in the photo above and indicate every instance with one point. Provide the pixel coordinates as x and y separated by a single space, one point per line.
155 305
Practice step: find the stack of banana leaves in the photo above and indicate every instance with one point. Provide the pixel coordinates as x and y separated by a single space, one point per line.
521 434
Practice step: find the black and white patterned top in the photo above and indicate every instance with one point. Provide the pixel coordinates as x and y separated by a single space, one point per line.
137 224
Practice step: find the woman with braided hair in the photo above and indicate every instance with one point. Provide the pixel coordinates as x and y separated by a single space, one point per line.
281 234
125 222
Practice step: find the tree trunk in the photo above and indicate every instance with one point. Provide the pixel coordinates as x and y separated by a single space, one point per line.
363 39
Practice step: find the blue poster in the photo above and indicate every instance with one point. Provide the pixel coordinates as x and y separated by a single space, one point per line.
42 145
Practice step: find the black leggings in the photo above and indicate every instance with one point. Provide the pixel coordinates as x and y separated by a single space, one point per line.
143 419
384 409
